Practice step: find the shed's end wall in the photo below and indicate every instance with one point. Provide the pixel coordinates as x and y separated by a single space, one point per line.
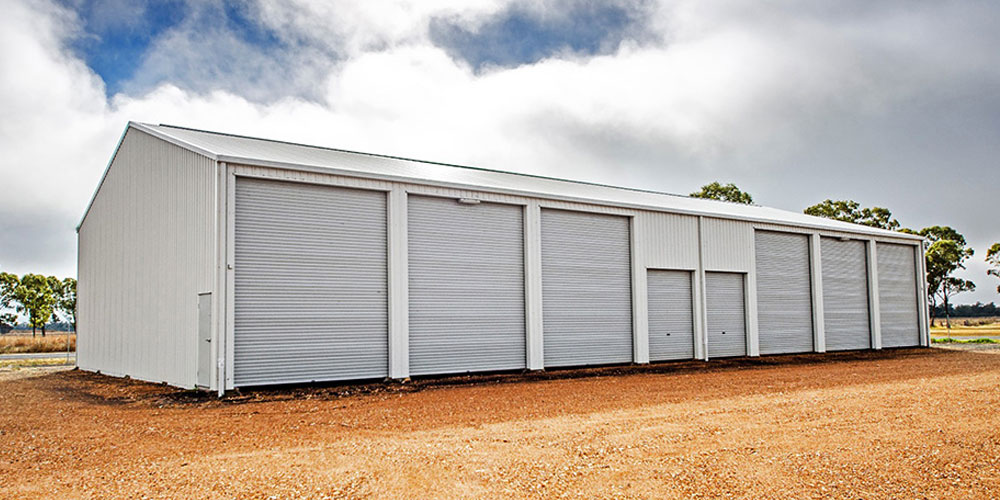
146 249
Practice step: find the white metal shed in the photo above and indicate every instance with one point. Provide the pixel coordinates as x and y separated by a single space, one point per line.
218 261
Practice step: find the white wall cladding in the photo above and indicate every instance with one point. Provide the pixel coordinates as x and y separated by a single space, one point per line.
587 288
897 295
145 252
466 286
311 299
666 241
727 244
784 293
671 315
845 294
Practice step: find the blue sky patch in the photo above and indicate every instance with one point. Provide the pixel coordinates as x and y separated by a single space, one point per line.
518 36
119 34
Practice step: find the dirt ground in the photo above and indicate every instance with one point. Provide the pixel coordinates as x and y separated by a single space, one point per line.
915 423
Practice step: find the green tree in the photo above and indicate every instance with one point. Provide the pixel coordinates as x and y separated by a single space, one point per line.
8 282
36 296
723 192
993 259
946 254
851 211
66 301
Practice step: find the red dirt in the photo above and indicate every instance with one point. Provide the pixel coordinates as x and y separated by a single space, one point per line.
917 423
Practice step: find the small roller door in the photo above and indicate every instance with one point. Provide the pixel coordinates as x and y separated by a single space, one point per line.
897 295
671 321
586 288
466 275
310 283
845 294
727 334
784 292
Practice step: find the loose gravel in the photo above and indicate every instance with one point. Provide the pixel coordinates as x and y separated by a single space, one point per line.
913 423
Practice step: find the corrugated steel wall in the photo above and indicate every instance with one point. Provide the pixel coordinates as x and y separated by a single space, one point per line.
727 245
145 252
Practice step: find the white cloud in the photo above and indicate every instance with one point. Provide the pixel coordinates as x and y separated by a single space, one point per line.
794 104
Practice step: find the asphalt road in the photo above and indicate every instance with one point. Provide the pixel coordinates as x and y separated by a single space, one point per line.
36 355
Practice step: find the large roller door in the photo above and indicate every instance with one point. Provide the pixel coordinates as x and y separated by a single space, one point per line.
586 288
897 295
466 274
727 333
671 321
845 294
784 293
310 283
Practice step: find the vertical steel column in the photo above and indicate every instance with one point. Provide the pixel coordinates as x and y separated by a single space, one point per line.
750 299
921 267
816 270
399 291
701 298
533 286
226 364
873 301
219 286
640 300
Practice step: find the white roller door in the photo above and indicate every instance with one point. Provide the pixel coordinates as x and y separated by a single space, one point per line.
671 321
586 288
727 333
845 294
466 275
310 283
897 295
784 292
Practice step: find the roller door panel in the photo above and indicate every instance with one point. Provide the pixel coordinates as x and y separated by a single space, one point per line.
726 314
586 288
845 295
310 283
784 293
671 320
466 276
897 295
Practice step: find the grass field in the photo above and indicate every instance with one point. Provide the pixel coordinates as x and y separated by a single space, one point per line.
18 364
949 340
53 342
967 327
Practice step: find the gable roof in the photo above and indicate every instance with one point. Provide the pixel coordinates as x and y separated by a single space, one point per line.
239 149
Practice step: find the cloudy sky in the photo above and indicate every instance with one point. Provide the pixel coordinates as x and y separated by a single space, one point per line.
892 103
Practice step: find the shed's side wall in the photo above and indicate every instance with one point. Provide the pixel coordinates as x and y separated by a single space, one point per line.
146 249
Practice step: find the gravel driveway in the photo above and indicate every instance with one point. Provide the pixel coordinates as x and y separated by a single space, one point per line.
850 425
